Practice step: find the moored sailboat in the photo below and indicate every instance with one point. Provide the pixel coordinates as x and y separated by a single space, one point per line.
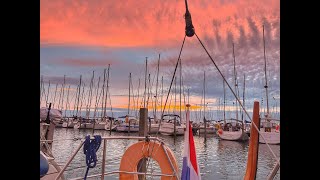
269 129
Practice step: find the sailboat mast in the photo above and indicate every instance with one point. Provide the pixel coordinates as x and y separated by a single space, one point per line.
180 86
47 99
218 111
244 90
138 98
149 86
188 97
156 99
78 97
102 98
41 83
65 110
60 96
161 91
96 103
204 94
265 70
75 101
145 83
82 97
64 83
175 94
224 103
54 98
106 98
235 79
90 96
129 94
204 107
243 101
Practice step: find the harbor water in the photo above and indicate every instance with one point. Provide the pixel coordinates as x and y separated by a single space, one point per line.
218 159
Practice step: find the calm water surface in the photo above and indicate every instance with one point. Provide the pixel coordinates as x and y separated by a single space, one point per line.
218 159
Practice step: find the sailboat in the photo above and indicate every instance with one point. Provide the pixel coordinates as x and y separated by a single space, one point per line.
171 123
205 127
153 124
128 123
233 130
269 127
125 126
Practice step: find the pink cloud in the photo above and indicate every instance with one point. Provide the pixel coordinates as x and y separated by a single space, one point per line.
149 23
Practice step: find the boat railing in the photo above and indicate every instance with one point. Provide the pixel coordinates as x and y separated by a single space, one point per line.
103 162
43 141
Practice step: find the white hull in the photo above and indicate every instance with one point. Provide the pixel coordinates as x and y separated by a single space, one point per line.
154 128
100 126
271 137
210 130
168 129
65 124
107 127
83 126
125 128
232 135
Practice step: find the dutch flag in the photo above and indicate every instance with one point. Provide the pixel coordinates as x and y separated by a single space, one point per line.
190 167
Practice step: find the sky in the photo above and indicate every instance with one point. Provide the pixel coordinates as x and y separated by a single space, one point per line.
79 37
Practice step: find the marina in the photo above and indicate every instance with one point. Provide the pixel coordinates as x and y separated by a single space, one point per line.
161 111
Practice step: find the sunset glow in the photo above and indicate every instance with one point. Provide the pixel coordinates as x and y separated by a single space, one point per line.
79 37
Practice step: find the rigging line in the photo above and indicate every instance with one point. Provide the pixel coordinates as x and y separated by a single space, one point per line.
96 103
237 98
265 70
132 91
110 101
184 96
174 73
223 77
153 152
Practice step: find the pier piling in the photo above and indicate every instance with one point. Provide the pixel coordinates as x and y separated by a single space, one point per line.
143 132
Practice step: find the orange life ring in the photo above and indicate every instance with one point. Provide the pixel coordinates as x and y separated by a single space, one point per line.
151 149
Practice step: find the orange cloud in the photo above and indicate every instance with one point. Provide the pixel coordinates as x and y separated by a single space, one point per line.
149 23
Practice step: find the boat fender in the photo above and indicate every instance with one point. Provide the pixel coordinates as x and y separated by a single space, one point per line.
44 165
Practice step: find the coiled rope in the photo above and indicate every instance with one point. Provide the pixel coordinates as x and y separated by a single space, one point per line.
89 149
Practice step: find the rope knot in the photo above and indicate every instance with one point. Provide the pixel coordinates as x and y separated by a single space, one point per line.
89 149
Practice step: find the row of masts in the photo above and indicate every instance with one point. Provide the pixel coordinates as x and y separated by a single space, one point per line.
222 109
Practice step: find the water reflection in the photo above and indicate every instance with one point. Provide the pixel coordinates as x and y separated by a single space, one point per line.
218 159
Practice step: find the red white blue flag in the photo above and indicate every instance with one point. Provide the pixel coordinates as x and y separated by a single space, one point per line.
190 167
